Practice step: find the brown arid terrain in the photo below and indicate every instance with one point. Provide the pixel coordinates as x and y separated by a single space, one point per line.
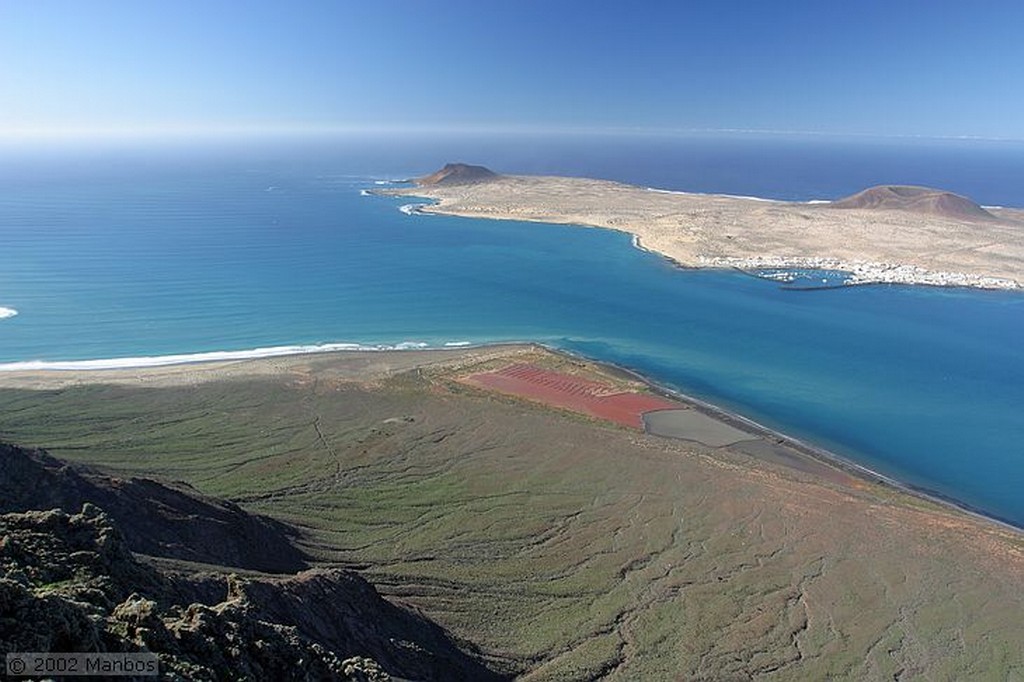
457 174
915 200
546 543
885 234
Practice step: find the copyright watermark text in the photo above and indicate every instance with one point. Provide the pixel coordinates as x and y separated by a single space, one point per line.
34 664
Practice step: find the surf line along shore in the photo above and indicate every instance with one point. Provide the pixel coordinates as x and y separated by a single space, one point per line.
886 234
712 426
547 376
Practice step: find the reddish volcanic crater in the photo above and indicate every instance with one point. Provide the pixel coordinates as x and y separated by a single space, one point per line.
572 393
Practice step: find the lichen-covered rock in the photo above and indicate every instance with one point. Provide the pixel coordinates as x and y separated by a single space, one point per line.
34 622
68 582
157 519
361 669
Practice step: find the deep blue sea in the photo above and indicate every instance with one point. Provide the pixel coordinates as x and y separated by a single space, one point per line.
138 250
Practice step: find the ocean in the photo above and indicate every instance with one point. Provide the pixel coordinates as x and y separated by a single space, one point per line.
131 253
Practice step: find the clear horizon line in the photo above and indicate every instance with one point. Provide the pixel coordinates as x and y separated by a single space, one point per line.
57 133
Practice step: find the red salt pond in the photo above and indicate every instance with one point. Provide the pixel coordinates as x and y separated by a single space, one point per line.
572 393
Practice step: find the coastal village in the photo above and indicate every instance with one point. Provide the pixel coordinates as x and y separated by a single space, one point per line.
886 234
862 272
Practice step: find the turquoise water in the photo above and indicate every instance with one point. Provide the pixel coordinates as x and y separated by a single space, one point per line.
150 256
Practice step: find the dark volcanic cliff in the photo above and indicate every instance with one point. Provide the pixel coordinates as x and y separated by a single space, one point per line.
156 519
69 581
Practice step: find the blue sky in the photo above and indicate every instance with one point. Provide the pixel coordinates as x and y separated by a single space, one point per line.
879 68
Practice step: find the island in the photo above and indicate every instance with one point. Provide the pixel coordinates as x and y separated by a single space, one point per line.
507 511
886 234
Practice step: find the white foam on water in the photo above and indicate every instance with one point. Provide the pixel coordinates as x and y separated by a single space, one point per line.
410 345
746 198
7 312
411 209
365 193
638 245
707 194
458 344
211 356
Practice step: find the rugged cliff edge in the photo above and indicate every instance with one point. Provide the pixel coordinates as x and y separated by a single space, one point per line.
69 581
156 519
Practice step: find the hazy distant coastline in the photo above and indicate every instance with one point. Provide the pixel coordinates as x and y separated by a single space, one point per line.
886 234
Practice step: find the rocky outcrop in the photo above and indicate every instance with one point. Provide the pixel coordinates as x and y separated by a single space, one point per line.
156 519
457 174
70 582
915 199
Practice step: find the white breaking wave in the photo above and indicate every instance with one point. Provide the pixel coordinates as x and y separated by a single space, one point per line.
458 344
382 182
211 356
740 196
407 345
411 209
706 194
365 193
7 312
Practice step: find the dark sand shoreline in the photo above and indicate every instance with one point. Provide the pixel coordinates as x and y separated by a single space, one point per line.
813 452
202 370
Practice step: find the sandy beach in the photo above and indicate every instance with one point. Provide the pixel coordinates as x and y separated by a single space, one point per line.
689 419
703 230
693 420
367 365
558 543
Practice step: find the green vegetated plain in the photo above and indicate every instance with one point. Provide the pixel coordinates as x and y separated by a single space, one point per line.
565 548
